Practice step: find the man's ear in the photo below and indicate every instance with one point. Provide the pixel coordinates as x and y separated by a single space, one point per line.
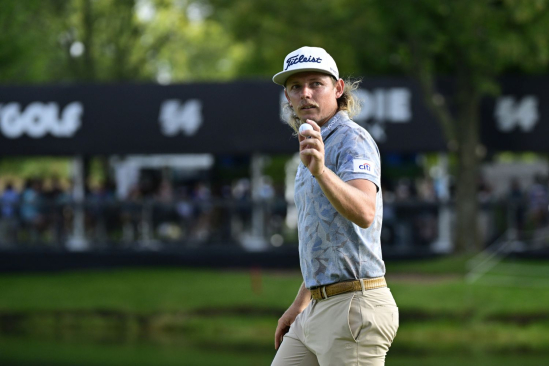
340 87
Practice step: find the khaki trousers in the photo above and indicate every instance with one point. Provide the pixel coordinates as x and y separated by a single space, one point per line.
355 328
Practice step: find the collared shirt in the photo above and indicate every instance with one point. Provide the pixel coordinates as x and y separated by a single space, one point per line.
332 248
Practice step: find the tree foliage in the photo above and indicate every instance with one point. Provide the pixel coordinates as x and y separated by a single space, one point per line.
475 42
471 41
22 37
113 40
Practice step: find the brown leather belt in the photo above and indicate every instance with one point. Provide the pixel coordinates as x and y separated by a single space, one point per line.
324 292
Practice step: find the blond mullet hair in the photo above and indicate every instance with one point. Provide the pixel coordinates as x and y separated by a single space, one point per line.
348 101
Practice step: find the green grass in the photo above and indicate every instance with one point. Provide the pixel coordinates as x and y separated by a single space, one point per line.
440 266
175 290
15 352
145 290
137 316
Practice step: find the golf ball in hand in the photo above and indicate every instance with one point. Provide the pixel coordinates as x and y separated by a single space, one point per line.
304 127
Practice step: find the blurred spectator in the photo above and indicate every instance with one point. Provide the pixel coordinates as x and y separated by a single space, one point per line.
486 217
426 190
55 198
242 196
55 190
223 211
131 211
30 209
426 218
515 191
8 218
266 191
165 213
516 200
405 190
204 209
184 208
241 189
165 192
99 201
538 202
484 193
201 211
388 236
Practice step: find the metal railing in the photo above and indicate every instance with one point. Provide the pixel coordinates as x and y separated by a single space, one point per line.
154 224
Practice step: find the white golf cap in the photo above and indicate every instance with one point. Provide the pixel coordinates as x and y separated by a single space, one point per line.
306 59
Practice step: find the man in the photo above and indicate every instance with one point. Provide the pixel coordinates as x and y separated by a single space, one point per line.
343 314
8 218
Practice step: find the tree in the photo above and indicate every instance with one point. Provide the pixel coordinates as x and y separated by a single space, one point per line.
74 41
22 46
113 41
473 42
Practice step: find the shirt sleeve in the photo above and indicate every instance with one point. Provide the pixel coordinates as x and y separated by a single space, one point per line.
359 158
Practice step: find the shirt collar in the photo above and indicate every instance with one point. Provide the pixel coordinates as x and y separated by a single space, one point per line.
333 123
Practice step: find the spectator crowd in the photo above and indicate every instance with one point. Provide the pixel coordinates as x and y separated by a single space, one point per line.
42 211
202 211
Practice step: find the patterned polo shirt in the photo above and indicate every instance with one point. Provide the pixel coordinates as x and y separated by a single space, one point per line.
332 248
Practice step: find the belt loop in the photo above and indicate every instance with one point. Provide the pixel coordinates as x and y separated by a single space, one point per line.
363 288
324 295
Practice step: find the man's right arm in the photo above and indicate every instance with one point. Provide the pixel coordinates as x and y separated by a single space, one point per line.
300 303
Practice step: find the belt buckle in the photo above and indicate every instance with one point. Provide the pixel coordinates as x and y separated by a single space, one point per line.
320 292
323 293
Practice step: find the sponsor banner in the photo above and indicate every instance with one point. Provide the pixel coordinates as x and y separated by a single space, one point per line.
363 166
242 118
518 119
143 119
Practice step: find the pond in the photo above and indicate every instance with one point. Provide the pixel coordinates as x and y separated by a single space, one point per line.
24 351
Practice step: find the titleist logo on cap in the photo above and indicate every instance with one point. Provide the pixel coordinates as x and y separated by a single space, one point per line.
297 59
306 59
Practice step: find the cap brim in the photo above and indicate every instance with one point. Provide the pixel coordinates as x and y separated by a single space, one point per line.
282 76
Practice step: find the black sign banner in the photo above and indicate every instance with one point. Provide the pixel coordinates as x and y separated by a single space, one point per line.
240 118
518 119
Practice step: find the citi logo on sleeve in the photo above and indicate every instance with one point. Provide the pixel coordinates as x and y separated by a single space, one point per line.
363 166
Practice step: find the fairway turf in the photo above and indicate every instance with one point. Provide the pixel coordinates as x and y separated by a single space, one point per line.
131 316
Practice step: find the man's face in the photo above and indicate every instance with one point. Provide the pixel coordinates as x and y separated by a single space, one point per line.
313 95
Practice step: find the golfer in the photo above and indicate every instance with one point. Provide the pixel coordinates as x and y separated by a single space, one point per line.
343 314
